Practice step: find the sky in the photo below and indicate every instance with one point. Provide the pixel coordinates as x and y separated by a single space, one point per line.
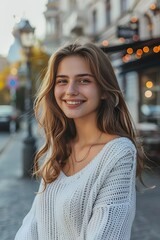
11 11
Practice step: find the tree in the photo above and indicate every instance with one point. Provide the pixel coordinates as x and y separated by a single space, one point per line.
38 62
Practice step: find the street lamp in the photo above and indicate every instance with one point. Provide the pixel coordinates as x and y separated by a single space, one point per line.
26 37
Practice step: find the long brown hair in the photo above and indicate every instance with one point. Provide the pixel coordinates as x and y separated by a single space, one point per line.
113 116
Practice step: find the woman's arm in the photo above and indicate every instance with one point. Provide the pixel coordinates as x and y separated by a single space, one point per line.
114 209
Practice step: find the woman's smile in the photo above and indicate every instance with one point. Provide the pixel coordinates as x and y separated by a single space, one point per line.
73 103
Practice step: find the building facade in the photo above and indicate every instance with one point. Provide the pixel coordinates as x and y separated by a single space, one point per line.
53 26
129 32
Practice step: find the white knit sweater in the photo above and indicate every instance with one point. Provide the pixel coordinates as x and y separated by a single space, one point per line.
97 203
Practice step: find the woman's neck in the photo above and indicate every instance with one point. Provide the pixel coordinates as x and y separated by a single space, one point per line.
87 132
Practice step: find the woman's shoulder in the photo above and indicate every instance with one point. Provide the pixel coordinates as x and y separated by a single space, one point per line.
118 148
118 153
120 143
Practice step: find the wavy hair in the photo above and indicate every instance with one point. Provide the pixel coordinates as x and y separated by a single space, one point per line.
113 116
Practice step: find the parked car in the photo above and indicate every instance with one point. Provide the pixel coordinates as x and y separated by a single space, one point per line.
9 118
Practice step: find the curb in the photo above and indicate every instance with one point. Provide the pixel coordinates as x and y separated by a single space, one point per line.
2 147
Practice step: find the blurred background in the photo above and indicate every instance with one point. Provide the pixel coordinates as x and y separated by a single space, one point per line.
128 31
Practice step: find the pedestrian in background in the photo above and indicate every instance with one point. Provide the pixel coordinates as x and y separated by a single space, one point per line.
87 191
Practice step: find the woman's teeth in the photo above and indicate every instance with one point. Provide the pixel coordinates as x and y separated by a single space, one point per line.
73 102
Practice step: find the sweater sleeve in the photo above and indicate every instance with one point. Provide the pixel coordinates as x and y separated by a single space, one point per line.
28 230
114 208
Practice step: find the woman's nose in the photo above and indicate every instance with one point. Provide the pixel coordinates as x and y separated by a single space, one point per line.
72 89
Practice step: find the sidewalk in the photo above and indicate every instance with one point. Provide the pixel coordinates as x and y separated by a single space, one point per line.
4 141
147 221
17 194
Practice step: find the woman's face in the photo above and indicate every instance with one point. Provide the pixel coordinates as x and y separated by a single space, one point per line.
76 90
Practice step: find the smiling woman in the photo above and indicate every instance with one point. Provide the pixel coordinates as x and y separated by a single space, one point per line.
88 177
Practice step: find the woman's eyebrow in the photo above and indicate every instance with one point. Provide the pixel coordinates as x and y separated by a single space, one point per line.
61 76
78 75
84 75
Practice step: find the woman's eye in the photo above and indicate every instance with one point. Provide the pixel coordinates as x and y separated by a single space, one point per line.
84 81
61 81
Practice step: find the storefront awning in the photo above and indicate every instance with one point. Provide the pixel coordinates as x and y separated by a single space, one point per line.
135 45
148 60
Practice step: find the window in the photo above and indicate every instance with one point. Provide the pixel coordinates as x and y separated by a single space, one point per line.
72 4
94 21
123 5
150 97
108 12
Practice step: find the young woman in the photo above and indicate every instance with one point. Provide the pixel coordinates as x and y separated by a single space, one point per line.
87 190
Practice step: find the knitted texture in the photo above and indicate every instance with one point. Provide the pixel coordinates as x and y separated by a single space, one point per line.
97 203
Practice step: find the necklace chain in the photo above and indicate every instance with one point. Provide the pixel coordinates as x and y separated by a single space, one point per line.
87 153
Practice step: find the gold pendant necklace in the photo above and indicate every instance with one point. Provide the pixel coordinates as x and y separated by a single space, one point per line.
87 153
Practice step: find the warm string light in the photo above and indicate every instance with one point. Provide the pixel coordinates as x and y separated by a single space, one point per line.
149 84
137 56
126 58
148 93
145 49
156 49
134 19
130 51
153 6
135 38
139 52
105 43
122 40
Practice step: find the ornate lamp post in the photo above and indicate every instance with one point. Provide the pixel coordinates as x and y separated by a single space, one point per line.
26 37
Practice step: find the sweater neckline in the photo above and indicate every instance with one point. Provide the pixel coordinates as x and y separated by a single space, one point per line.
92 160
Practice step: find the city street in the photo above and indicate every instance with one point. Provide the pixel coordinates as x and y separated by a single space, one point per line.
17 193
